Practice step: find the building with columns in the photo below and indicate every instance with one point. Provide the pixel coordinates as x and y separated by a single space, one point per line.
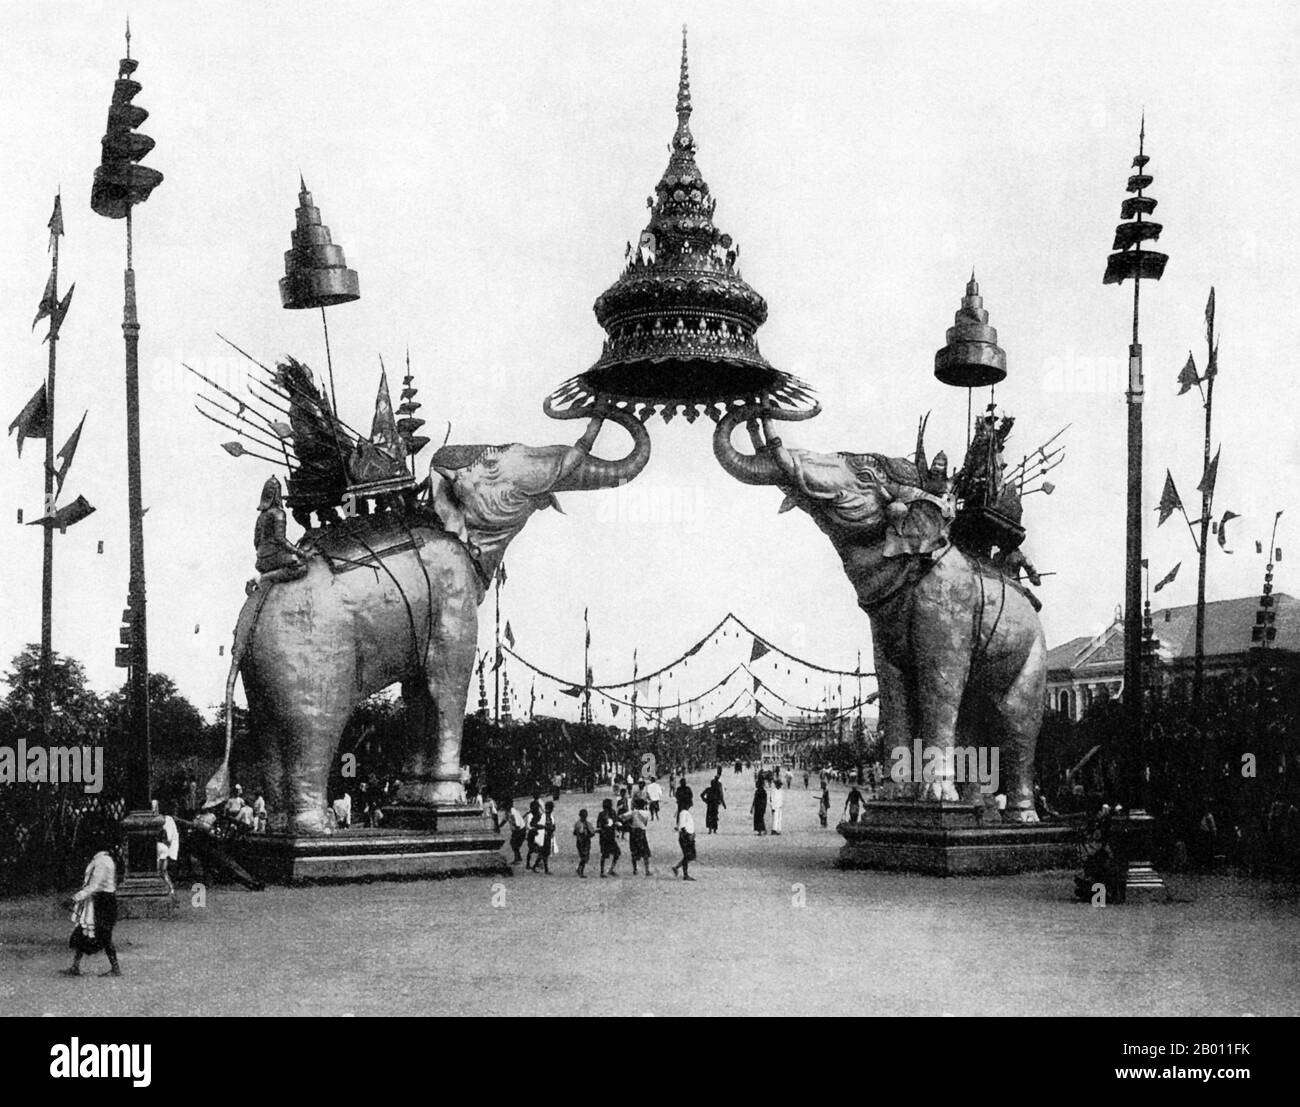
1084 670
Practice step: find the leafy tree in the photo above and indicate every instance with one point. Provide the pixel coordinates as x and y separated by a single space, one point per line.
77 713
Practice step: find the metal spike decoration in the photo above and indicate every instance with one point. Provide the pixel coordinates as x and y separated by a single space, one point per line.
680 320
1131 260
316 272
972 357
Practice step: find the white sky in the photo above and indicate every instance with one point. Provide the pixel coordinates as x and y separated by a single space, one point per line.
483 165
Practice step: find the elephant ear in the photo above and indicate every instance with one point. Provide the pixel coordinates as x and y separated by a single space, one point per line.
922 530
446 507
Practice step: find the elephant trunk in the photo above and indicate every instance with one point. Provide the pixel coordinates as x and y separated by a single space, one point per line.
747 468
589 472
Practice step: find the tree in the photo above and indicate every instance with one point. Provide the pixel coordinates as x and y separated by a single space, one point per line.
77 714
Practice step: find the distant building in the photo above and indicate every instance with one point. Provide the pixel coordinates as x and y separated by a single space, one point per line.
795 740
1084 670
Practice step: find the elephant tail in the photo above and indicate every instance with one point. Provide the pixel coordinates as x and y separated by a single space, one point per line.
218 787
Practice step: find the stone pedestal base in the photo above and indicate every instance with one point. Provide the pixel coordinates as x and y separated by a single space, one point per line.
953 839
460 840
142 893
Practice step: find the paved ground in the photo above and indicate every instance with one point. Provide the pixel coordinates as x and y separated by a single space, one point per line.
769 927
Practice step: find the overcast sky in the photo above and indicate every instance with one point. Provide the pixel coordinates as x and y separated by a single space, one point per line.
483 165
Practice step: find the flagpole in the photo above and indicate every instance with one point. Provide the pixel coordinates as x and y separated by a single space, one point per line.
1207 502
496 669
47 563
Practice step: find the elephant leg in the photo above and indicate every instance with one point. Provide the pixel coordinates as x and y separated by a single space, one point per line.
940 685
310 742
449 666
1019 714
897 723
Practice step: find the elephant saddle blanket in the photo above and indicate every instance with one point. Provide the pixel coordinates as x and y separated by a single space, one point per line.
363 542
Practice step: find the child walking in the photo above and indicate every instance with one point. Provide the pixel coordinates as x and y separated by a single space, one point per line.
582 835
607 829
686 841
546 836
638 840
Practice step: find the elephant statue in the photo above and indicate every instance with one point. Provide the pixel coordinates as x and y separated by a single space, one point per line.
959 650
394 596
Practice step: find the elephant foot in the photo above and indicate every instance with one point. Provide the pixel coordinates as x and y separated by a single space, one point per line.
1025 816
944 791
431 793
313 821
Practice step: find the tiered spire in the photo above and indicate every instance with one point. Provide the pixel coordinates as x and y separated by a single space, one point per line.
680 320
119 181
316 272
972 357
407 422
1132 260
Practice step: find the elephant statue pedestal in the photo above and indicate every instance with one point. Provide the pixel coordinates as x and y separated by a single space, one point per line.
464 843
953 839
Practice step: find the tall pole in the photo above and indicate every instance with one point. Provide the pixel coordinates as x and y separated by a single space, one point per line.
1131 261
120 184
139 763
47 563
496 669
1207 505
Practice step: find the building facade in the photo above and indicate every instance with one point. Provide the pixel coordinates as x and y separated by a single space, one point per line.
1084 670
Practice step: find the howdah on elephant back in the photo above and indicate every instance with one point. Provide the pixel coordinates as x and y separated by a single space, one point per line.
959 650
393 597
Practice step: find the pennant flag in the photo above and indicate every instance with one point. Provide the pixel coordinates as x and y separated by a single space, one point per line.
1187 376
56 222
1169 501
497 663
571 691
758 650
1211 474
613 707
49 301
221 651
757 683
510 635
1223 529
1168 578
20 516
1209 316
65 516
1259 546
33 420
56 320
101 546
1146 564
67 453
1277 554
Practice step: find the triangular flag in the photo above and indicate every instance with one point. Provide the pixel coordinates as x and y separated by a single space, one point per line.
571 691
66 516
33 420
383 428
49 301
1223 529
757 683
1168 578
758 650
56 221
1211 474
56 320
1259 547
510 635
613 707
69 451
1209 316
1169 501
1187 376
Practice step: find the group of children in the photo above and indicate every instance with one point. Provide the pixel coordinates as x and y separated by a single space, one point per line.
538 831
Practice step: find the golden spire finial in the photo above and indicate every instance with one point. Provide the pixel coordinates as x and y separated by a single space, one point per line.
684 82
128 36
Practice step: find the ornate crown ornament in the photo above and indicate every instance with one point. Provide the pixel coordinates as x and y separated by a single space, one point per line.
680 320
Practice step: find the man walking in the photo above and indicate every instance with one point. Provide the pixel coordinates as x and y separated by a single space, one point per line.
655 794
778 805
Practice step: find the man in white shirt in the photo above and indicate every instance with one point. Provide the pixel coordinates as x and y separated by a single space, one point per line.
654 793
777 803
